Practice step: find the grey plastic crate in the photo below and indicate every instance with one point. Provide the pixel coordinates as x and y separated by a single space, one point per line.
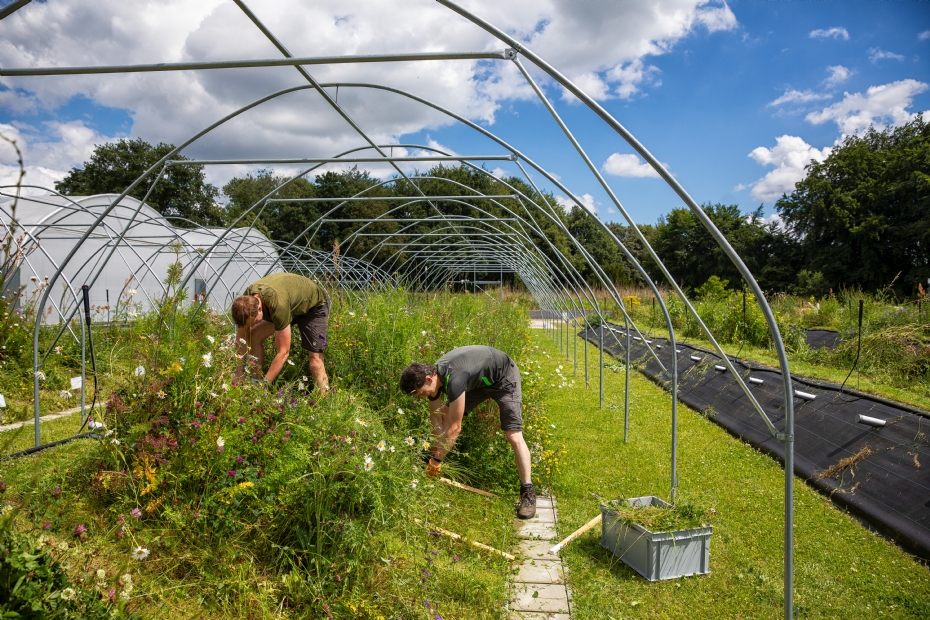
655 555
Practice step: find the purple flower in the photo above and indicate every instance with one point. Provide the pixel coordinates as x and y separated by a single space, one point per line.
79 530
198 404
238 459
211 417
254 439
46 526
338 578
135 512
196 424
426 604
241 420
232 473
193 441
455 558
287 433
56 492
427 573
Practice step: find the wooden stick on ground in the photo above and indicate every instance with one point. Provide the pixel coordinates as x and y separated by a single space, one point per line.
474 543
581 530
465 487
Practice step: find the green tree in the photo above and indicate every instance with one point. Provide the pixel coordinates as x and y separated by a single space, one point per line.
693 256
862 216
283 221
181 191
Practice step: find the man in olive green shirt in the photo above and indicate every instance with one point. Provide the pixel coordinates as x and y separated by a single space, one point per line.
269 307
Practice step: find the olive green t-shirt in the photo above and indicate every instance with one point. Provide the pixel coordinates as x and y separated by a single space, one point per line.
286 296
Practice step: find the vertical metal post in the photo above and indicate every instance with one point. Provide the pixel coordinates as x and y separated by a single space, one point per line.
601 361
83 371
626 396
587 381
575 341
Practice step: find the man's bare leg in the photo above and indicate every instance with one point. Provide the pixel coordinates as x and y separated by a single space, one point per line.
318 371
521 454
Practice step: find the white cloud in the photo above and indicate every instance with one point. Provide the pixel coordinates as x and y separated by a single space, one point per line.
789 156
48 151
883 104
498 173
876 54
797 96
838 75
587 201
609 60
923 36
628 165
830 33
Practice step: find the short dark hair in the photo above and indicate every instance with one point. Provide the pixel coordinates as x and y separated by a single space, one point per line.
414 376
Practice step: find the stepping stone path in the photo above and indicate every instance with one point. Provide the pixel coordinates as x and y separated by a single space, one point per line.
539 589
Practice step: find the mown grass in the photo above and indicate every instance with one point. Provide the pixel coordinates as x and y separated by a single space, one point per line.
841 569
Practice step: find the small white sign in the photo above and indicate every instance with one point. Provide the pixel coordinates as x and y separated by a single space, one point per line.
76 383
2 402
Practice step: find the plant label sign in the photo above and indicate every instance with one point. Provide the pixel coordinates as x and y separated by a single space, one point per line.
76 383
2 402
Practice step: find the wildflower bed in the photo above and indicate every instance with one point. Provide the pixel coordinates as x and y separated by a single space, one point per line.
226 501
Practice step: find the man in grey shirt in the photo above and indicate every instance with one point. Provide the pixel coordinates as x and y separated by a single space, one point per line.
461 380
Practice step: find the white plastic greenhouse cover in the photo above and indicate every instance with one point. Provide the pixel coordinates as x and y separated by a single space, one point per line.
51 225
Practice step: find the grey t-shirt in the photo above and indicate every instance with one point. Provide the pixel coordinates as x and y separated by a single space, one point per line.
469 368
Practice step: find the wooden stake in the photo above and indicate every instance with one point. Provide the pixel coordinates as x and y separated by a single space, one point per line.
473 543
465 487
581 530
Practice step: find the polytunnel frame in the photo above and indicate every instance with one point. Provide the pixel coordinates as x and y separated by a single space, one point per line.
516 48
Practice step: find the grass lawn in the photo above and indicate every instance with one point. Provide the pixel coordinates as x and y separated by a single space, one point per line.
841 569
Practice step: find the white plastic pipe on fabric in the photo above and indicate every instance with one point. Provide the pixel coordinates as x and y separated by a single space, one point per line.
804 395
719 367
864 419
696 358
756 380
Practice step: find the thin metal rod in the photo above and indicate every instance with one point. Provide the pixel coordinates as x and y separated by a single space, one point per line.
264 62
338 160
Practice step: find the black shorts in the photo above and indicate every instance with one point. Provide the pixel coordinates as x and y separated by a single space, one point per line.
508 397
312 326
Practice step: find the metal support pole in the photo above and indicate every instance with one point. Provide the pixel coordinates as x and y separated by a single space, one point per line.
626 396
601 361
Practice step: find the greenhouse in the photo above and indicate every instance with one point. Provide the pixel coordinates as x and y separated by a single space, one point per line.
416 264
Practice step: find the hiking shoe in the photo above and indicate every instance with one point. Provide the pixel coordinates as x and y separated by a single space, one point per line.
527 509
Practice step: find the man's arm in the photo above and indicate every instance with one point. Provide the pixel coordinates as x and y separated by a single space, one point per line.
242 348
451 421
282 342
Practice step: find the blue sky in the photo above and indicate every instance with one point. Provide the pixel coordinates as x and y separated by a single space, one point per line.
735 98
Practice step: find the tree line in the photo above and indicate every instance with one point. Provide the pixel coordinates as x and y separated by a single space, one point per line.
859 219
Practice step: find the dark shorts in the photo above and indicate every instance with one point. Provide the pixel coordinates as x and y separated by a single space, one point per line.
508 397
312 326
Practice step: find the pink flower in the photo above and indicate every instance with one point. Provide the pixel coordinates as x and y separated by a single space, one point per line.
121 519
193 441
79 530
238 459
135 512
241 420
119 533
46 526
211 417
56 492
232 473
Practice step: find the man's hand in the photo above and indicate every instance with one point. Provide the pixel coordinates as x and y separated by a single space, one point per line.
433 467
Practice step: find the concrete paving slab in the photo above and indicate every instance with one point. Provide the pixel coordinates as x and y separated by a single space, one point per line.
541 571
545 501
543 515
528 529
536 615
537 550
540 598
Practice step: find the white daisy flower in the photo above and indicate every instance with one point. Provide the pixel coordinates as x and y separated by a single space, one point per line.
369 465
414 483
400 411
426 445
220 443
409 441
139 553
207 360
382 446
211 339
357 421
132 292
162 395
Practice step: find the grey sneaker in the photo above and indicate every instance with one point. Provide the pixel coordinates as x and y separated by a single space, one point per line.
527 509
